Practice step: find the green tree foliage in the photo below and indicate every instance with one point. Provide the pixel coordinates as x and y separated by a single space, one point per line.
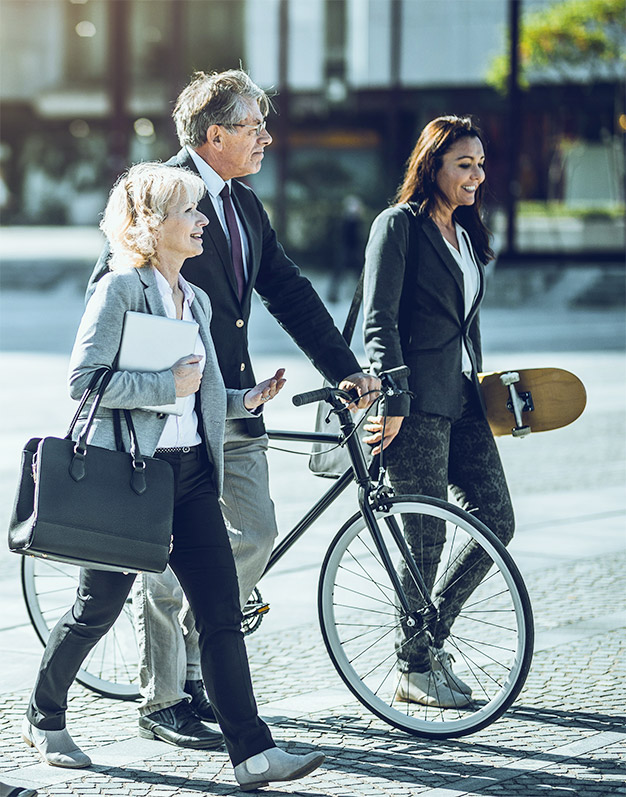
572 39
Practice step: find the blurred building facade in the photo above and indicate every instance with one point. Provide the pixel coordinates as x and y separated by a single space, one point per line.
87 87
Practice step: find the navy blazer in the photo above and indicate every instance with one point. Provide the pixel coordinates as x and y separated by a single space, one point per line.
289 296
414 311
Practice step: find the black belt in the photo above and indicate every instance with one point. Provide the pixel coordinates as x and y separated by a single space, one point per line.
180 450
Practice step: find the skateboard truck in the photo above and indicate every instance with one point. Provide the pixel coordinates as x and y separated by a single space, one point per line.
517 403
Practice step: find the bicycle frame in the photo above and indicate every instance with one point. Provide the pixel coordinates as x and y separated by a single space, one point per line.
357 472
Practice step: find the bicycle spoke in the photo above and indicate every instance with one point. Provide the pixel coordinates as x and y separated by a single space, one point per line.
365 632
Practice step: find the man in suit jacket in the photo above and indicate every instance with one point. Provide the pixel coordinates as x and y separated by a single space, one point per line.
220 121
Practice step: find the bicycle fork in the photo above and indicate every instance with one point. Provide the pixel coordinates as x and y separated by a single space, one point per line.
423 619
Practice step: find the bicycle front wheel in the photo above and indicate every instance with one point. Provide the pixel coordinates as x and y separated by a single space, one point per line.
491 638
112 667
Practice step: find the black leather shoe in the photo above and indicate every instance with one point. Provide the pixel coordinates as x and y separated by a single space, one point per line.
199 701
179 725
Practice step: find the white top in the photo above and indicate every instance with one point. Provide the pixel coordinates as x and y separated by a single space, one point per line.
471 282
180 430
215 184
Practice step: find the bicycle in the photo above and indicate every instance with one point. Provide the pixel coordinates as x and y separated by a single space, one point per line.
362 599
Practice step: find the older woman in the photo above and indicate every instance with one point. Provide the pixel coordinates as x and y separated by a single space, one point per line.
424 282
153 225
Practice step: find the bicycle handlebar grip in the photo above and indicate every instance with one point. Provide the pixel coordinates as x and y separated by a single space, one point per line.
398 372
311 396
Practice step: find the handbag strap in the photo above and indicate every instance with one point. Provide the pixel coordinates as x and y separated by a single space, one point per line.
353 312
77 466
99 375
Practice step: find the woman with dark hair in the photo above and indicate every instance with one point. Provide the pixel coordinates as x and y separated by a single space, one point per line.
424 282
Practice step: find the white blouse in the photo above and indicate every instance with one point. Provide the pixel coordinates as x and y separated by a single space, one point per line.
180 430
464 256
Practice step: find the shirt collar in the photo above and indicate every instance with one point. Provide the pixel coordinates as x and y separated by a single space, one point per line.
212 180
166 291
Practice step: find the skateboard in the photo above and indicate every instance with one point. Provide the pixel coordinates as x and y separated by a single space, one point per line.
531 400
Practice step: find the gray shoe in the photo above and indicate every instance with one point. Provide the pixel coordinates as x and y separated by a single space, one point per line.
274 764
16 791
430 689
57 748
441 661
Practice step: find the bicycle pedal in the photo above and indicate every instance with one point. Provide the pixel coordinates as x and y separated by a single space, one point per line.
255 609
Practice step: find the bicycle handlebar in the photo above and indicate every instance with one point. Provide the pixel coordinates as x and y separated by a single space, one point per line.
322 394
325 393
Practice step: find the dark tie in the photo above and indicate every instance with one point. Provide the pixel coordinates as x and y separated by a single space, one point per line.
236 253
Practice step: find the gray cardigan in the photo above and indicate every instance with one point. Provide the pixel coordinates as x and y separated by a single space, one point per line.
414 312
97 343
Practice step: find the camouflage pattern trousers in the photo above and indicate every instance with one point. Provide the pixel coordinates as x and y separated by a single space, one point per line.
430 455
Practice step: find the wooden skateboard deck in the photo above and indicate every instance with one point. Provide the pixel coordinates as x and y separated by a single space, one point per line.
531 400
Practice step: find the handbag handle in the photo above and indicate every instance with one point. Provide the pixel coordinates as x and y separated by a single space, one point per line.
77 466
98 375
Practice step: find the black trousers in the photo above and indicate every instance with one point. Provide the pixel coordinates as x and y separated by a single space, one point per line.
430 454
202 560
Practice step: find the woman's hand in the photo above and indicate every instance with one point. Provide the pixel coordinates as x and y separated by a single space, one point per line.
264 391
187 374
375 425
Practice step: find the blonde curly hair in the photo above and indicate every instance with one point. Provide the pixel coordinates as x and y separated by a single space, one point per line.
137 206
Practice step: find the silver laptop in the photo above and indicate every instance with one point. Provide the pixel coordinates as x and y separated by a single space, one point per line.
155 343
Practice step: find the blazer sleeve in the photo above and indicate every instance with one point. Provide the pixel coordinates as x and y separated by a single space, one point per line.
293 301
97 344
385 264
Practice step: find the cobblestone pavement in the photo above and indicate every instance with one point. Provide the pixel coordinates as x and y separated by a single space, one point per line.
563 735
566 732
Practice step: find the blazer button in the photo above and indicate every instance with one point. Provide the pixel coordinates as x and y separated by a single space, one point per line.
242 367
239 322
160 415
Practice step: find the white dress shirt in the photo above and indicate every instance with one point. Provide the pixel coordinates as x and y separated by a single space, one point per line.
466 261
180 430
215 184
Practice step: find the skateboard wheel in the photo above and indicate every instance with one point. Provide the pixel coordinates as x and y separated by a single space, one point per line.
521 431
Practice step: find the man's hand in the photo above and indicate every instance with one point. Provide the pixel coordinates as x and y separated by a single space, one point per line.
375 425
363 384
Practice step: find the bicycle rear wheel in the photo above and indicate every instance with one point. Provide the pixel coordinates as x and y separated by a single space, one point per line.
112 667
491 639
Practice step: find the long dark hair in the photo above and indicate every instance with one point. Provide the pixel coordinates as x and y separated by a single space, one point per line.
419 184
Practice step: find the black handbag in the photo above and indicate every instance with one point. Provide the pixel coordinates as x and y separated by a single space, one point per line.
92 506
327 459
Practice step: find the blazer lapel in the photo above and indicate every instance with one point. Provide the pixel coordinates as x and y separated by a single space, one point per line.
481 282
436 239
151 291
254 239
213 231
203 323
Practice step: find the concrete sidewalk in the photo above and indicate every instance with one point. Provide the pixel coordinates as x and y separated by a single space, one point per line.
566 732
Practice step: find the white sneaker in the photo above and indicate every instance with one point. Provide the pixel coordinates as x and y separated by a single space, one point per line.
57 748
429 689
274 764
441 661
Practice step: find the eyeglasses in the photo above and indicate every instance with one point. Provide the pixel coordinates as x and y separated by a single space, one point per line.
259 128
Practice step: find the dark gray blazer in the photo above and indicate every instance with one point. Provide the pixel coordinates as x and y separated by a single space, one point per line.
97 343
414 311
289 296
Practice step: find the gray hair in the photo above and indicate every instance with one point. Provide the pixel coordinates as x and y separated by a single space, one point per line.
216 98
137 206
